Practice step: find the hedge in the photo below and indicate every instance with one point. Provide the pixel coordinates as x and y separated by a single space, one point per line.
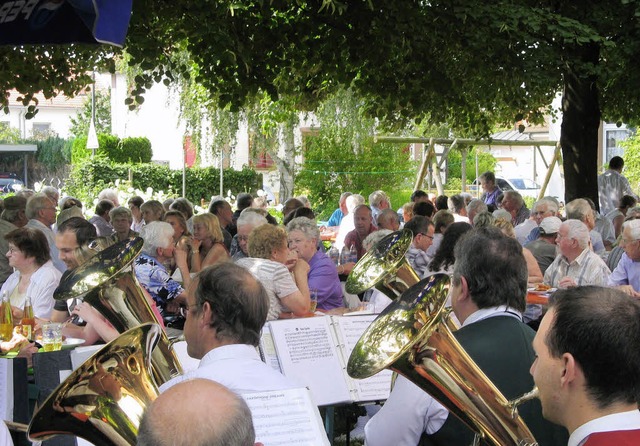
125 150
87 179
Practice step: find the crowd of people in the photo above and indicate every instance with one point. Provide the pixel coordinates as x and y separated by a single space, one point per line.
225 273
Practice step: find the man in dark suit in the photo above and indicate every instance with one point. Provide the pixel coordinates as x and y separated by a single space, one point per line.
488 297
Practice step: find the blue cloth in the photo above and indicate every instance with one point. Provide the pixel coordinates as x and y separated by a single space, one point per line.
323 276
335 218
626 273
153 276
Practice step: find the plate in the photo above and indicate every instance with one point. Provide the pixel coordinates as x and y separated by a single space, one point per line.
542 293
70 343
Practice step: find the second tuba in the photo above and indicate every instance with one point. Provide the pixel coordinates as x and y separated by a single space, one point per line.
411 337
107 282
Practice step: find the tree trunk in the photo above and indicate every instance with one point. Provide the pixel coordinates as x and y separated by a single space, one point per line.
579 135
286 164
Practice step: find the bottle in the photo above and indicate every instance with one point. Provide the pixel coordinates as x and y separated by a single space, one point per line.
344 255
6 319
28 321
353 254
334 255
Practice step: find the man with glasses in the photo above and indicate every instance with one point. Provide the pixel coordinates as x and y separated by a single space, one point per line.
41 212
543 208
577 264
225 311
423 231
626 276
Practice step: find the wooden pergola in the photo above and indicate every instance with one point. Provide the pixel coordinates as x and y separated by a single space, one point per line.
432 166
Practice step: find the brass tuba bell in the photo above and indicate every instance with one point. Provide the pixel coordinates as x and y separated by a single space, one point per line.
385 267
104 399
107 282
411 337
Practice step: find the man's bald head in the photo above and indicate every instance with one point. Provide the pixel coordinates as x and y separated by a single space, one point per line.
198 412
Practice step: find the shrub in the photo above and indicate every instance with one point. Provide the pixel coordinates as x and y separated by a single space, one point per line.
126 150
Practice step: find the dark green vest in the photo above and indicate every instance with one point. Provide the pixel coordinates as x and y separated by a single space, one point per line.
501 346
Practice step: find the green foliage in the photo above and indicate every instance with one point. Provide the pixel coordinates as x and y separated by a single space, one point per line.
9 135
632 160
343 157
486 162
87 179
127 150
54 152
80 123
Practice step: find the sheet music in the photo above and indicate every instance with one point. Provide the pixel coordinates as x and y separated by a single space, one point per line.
308 353
267 348
350 330
286 417
6 389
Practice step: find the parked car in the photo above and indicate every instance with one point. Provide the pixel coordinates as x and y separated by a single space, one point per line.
526 187
9 182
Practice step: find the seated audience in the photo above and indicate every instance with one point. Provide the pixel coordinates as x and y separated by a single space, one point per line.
269 254
577 264
441 221
34 274
444 258
407 212
121 221
378 202
11 218
544 247
388 219
186 208
513 203
207 244
580 209
323 275
535 275
222 209
246 223
626 275
363 227
151 211
475 207
543 208
101 219
41 212
338 214
134 204
423 231
617 216
424 208
347 224
458 208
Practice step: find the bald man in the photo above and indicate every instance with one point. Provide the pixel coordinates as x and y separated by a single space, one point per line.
198 412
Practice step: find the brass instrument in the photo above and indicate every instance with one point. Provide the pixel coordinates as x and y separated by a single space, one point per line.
385 267
107 282
411 337
104 399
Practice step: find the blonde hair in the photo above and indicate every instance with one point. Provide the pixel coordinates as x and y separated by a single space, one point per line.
264 239
505 226
212 224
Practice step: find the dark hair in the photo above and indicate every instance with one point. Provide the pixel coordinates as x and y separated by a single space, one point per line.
627 201
456 203
418 194
424 208
299 212
136 201
215 206
494 267
418 224
70 202
103 207
600 328
290 205
444 256
31 242
183 205
442 202
85 232
239 303
616 163
244 201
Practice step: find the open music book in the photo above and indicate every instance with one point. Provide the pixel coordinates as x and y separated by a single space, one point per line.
314 351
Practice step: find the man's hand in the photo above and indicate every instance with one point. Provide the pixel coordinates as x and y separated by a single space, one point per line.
628 289
567 282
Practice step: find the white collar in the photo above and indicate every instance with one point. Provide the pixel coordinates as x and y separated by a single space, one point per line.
622 421
485 313
230 351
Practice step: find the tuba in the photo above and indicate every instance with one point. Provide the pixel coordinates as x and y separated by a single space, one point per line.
107 282
104 399
411 337
385 267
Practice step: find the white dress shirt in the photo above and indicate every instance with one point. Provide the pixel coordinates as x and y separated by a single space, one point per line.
239 368
623 421
43 283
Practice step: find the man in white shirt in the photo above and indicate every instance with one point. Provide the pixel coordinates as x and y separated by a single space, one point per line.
41 212
488 297
587 366
226 309
612 185
577 264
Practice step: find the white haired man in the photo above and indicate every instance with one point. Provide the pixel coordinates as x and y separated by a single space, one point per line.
543 208
378 201
626 276
41 212
577 264
247 222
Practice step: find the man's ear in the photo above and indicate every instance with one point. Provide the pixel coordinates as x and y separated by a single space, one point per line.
464 289
571 370
206 313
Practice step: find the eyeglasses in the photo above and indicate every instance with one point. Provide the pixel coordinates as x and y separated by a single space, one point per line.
243 238
184 311
426 235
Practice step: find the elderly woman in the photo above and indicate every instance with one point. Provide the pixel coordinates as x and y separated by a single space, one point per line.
323 276
150 270
207 245
34 275
121 220
151 210
269 252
